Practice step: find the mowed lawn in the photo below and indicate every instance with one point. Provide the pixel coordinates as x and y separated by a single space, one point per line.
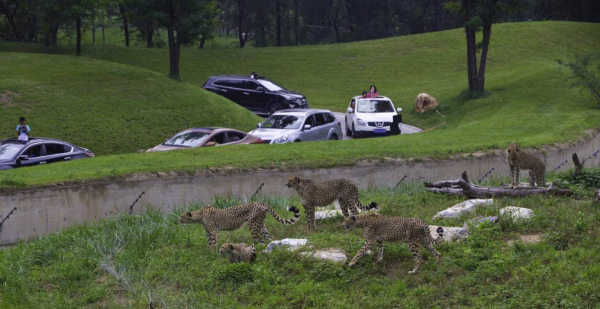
105 106
152 261
529 100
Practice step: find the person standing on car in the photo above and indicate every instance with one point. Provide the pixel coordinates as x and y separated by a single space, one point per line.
23 130
253 75
373 92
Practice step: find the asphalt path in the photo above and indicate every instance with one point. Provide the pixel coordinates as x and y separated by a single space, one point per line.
406 129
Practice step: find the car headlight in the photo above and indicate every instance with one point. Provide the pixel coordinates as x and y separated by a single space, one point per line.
361 123
281 140
290 98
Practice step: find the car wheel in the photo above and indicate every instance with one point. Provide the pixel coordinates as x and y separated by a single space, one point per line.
333 137
348 132
274 107
297 141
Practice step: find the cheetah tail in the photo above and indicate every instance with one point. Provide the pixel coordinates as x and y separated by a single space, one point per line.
370 206
440 238
293 220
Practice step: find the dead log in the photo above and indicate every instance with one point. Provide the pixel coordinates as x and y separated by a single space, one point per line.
474 191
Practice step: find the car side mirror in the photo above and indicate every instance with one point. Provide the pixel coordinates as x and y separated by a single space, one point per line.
307 127
350 110
399 109
23 158
261 89
258 125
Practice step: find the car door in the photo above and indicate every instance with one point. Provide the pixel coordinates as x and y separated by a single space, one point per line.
231 89
56 152
351 116
235 137
35 154
309 135
321 129
254 99
217 139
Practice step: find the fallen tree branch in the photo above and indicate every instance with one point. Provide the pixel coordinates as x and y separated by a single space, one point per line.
474 191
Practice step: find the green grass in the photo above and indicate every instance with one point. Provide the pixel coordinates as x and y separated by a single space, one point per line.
528 99
127 261
105 106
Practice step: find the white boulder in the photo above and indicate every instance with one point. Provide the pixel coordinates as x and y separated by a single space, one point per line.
323 214
450 233
290 243
517 213
462 208
334 255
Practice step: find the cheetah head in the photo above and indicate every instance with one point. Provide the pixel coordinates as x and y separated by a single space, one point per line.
226 248
349 222
512 150
192 216
294 182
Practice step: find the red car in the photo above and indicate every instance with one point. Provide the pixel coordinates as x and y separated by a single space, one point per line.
206 137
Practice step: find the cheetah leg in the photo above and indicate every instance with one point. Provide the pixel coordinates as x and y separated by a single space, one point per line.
435 253
379 251
265 232
414 249
344 206
513 172
213 240
310 218
532 179
361 252
255 230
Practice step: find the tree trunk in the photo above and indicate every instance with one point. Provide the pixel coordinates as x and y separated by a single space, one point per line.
202 41
93 26
78 25
11 19
174 43
149 34
438 15
278 10
241 23
485 43
32 28
296 22
123 11
55 34
471 47
462 186
47 40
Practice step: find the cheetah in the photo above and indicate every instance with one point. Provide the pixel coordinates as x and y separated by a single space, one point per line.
518 160
232 218
238 253
324 193
380 228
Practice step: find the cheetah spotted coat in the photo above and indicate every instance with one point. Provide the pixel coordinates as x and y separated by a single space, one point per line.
238 253
518 160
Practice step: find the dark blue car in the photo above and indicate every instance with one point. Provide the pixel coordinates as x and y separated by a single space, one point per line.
15 153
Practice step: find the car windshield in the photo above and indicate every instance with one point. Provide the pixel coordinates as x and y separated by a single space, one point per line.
187 139
270 85
375 106
282 122
9 151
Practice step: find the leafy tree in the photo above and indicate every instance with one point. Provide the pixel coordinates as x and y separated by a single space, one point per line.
584 77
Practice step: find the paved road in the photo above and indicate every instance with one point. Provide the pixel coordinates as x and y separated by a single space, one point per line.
406 129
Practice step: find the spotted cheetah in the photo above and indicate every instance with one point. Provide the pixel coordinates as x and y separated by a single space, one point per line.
324 193
238 253
232 218
379 228
518 160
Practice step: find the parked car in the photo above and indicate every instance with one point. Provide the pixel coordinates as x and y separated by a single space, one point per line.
299 125
370 116
206 137
259 95
38 150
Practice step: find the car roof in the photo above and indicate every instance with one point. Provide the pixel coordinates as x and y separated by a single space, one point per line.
239 77
302 111
358 97
32 140
208 130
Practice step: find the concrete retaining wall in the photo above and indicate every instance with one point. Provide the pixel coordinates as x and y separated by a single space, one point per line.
44 211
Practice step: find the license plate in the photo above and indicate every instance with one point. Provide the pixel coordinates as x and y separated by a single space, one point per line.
379 131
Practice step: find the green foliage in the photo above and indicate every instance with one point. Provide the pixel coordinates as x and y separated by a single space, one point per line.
583 77
588 178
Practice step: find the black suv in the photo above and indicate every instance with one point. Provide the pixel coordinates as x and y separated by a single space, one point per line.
259 95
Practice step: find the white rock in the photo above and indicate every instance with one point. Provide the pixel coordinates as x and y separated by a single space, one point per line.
450 233
334 255
517 213
291 244
323 214
462 208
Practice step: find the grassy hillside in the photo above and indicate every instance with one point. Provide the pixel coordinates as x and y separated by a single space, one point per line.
130 261
529 99
105 106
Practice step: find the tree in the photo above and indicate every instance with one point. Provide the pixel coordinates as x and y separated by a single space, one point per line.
123 11
583 76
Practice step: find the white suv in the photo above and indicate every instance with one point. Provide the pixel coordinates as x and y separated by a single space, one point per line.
370 116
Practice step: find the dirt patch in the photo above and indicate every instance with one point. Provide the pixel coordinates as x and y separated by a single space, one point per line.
7 99
527 239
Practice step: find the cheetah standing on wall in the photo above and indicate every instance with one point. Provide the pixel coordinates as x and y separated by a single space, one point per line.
518 160
325 193
378 228
232 218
